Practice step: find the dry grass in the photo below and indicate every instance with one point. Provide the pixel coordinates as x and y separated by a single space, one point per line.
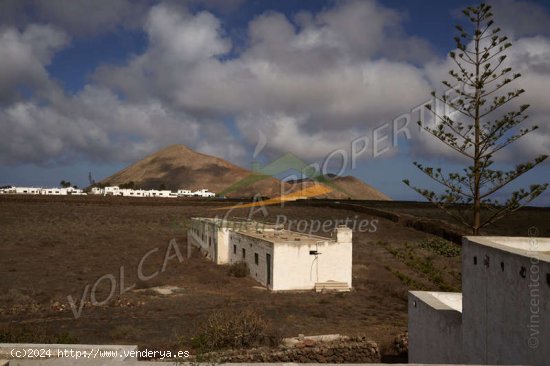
59 245
33 334
239 270
234 329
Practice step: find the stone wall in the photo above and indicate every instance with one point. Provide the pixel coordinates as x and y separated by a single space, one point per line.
352 350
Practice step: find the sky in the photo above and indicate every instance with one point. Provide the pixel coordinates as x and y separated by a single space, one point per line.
90 87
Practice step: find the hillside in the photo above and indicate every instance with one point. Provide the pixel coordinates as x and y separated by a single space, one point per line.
346 187
177 166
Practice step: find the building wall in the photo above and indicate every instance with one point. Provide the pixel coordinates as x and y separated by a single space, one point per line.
212 239
252 246
506 306
296 269
203 236
198 242
27 190
292 267
222 242
435 330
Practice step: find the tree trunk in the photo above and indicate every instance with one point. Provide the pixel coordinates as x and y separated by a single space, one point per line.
477 158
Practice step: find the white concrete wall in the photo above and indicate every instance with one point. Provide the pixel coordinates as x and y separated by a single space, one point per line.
97 190
296 269
252 246
435 330
200 238
211 239
222 242
292 265
506 305
26 190
51 191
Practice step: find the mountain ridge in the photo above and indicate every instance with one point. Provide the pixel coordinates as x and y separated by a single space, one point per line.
179 167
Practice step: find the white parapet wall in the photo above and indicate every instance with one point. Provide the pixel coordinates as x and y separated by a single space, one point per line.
435 327
506 300
505 307
300 266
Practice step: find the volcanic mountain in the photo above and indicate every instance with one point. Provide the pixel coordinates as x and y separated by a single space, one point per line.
178 167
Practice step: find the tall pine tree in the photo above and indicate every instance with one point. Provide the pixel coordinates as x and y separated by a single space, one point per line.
482 88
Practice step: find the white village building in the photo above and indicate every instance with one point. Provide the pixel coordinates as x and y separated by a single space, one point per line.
42 191
204 193
126 192
502 316
108 191
278 259
185 193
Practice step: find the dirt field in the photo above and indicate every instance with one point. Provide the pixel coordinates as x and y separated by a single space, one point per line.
54 247
517 224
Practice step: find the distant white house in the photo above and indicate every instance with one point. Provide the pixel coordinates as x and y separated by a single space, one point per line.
158 193
27 190
97 190
7 190
204 193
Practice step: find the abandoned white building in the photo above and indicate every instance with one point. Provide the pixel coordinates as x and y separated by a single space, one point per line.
278 259
502 316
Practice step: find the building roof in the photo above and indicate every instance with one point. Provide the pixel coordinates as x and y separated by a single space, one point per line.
441 300
531 247
267 232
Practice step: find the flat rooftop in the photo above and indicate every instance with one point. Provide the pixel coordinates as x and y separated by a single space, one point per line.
268 232
533 247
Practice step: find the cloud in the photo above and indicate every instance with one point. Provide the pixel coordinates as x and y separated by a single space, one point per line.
521 18
312 83
320 72
530 56
184 38
83 18
76 17
93 125
23 57
367 29
178 44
